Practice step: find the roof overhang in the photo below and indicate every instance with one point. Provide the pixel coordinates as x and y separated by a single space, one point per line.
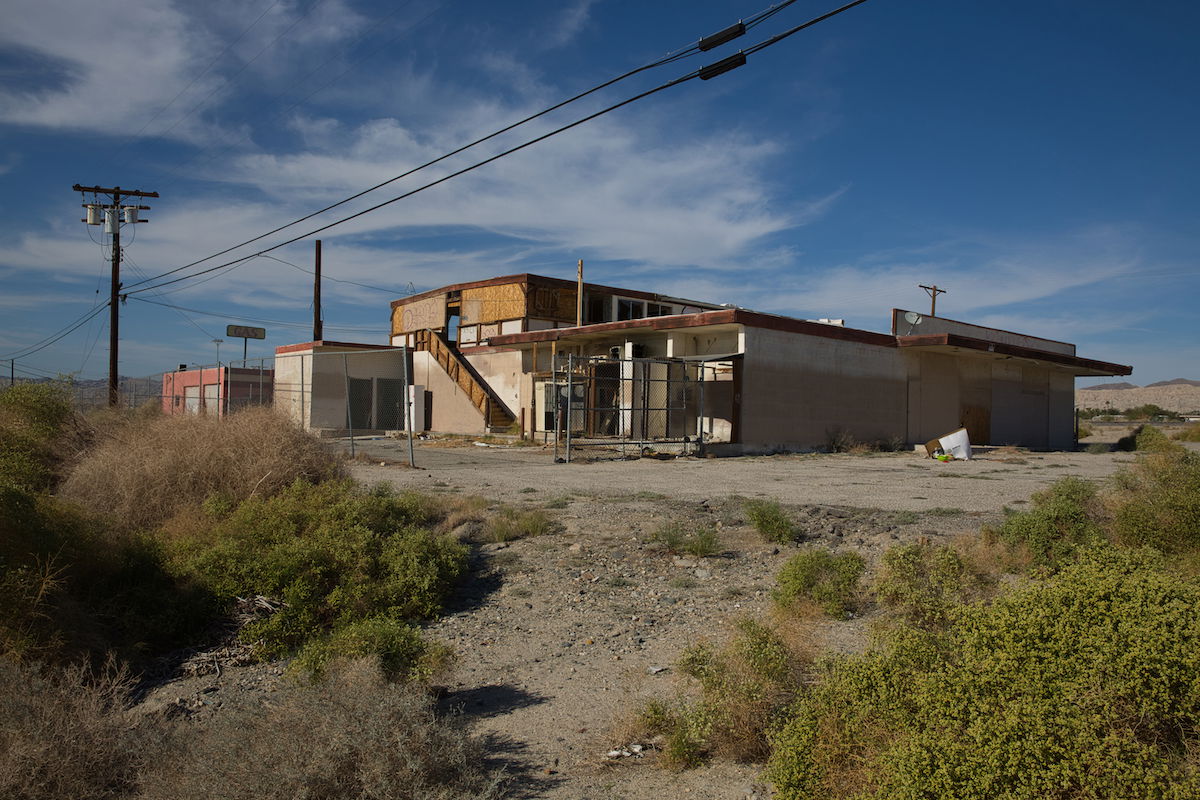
729 318
966 346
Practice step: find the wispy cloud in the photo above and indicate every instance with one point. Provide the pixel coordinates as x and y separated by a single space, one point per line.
571 21
119 66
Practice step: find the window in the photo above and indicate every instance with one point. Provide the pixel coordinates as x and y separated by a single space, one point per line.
597 309
630 309
657 310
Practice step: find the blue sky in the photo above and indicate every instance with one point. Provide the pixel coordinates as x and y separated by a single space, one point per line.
1038 159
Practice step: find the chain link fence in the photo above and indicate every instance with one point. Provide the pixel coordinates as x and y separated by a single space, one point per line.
606 407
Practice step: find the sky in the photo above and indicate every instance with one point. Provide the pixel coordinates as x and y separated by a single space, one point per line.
1038 160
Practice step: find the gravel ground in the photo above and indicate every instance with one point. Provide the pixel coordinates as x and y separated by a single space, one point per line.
559 635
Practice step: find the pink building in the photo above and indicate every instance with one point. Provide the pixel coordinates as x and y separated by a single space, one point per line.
216 390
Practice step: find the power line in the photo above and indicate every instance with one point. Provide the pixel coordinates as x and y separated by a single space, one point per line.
672 56
328 277
54 337
239 318
704 73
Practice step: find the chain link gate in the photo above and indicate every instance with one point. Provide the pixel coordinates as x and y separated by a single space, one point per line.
615 407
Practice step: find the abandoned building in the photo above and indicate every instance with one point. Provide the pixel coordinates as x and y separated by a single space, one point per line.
214 390
533 355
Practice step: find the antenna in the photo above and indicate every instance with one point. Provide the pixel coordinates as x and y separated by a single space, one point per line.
913 319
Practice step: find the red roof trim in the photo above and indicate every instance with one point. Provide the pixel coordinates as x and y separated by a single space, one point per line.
292 348
736 316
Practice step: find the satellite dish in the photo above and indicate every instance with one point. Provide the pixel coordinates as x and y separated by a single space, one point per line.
913 319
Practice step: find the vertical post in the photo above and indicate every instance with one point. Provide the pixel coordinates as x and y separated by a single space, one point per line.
700 414
261 364
408 406
570 400
305 422
557 404
114 214
579 297
318 328
349 413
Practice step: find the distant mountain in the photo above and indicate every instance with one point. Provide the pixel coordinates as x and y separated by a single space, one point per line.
1121 385
1174 382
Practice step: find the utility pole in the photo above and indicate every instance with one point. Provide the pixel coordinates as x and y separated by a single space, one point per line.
579 297
318 328
933 292
112 220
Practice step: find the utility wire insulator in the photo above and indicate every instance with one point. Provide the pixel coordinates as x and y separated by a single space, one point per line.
721 67
721 37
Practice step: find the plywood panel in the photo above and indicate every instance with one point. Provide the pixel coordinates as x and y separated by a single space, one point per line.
493 303
427 313
552 302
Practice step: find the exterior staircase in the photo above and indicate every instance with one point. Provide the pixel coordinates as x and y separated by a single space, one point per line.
496 414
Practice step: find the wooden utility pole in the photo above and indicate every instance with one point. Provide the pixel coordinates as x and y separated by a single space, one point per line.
579 297
318 328
113 218
933 292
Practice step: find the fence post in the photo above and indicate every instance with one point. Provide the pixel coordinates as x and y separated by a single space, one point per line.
408 405
570 400
349 411
557 403
700 414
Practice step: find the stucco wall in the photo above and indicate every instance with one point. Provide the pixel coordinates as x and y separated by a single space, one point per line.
796 389
450 411
503 372
1000 402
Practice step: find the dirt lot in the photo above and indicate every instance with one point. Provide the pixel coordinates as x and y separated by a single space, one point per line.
564 633
559 635
893 481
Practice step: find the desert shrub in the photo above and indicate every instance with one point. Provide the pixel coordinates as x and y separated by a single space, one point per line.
509 524
351 736
925 583
69 588
674 537
1086 684
65 734
143 474
770 520
33 417
1156 502
335 554
399 647
1059 521
1149 411
838 440
1146 438
1189 434
743 687
820 576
